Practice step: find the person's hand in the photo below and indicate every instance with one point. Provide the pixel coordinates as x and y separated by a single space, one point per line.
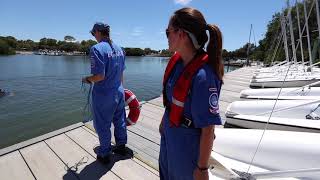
161 127
200 175
85 80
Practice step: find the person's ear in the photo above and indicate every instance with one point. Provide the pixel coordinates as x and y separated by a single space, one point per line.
183 35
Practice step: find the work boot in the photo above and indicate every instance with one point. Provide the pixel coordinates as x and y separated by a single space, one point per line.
120 149
104 160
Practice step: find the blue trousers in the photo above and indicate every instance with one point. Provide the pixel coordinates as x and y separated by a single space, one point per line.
109 107
179 152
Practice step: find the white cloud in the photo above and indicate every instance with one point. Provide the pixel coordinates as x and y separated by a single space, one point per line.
182 2
137 31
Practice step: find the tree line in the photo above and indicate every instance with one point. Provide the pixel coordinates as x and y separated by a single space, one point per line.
9 45
264 51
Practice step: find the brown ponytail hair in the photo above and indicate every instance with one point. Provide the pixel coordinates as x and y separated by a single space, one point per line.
214 50
193 21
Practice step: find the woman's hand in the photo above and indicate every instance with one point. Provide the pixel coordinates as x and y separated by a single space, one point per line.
161 127
200 175
85 80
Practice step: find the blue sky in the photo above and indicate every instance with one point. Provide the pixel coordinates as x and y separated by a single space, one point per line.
134 23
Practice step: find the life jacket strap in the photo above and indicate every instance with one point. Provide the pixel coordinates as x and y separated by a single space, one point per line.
185 122
177 102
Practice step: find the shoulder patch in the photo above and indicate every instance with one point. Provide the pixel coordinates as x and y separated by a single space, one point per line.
214 103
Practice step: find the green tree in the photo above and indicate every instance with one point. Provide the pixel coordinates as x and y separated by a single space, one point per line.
69 38
134 52
5 49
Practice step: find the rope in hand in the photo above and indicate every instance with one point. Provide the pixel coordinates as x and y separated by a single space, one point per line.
86 111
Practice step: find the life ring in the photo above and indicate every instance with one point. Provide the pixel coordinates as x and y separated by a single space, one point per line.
134 107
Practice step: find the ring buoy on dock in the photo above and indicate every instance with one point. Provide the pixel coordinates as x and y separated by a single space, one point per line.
134 107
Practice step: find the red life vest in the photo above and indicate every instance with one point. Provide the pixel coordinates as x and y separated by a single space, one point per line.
182 86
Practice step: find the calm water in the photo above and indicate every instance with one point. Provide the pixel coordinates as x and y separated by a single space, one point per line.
46 91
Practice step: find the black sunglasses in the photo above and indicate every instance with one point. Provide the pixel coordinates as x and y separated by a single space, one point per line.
168 31
92 33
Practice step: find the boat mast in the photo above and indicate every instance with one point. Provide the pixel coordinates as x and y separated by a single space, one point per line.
318 16
292 35
300 34
308 36
285 43
248 50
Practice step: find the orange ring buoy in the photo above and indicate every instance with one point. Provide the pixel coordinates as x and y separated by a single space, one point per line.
134 106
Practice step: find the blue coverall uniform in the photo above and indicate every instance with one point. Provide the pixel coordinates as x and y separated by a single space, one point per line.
108 104
179 147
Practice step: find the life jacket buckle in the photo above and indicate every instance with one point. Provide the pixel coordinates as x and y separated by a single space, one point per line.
187 122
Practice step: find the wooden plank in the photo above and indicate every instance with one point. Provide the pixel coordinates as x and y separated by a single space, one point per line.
233 88
229 96
157 101
237 78
13 167
38 139
144 150
153 108
125 169
154 171
234 81
153 116
44 163
153 136
72 154
128 169
142 144
223 106
151 161
149 122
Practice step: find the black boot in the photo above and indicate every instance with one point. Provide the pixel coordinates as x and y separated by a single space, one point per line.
120 149
104 160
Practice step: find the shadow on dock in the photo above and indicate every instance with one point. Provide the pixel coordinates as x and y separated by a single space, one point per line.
95 170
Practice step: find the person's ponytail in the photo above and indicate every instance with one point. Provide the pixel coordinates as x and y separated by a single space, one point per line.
214 50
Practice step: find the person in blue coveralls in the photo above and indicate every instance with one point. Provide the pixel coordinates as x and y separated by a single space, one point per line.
191 89
108 104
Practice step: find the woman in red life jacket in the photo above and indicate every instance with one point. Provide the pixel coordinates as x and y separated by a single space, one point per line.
191 89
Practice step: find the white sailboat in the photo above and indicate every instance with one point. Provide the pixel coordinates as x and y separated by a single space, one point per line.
298 115
284 76
304 92
272 154
281 154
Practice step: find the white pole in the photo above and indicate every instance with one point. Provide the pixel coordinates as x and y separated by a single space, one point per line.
300 34
285 42
318 16
293 45
307 29
248 50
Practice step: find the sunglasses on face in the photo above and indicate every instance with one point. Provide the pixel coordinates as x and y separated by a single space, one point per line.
93 33
168 31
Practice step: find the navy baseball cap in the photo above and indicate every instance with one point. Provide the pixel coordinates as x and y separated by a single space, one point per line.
100 27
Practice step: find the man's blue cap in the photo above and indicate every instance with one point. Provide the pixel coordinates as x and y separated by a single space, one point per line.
100 27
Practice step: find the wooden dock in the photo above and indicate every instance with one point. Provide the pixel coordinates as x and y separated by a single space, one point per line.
68 153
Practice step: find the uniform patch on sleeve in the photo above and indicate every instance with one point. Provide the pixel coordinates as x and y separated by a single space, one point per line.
213 101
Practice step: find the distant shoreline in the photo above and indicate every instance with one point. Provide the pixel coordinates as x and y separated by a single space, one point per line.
25 52
33 53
